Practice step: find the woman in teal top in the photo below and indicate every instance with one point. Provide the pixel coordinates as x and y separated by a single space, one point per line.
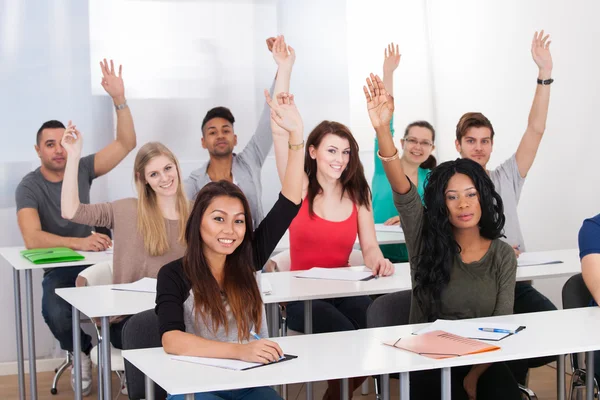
417 161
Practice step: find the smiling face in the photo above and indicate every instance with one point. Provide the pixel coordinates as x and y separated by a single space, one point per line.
462 201
417 145
218 137
332 156
223 225
52 155
161 174
476 145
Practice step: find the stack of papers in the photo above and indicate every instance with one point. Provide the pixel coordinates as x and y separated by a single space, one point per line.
388 228
147 285
236 365
473 330
536 258
336 274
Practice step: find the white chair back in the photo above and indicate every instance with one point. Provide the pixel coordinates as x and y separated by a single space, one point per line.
97 274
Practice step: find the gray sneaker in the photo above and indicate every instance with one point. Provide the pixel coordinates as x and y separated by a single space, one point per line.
86 375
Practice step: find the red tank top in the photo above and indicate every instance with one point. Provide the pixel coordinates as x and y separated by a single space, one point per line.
317 242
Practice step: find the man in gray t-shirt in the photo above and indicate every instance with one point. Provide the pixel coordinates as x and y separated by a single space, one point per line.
475 140
38 197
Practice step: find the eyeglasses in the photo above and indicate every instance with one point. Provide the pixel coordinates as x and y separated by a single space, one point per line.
413 142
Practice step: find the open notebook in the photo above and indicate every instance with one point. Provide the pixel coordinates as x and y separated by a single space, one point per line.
440 344
536 258
473 330
236 365
388 228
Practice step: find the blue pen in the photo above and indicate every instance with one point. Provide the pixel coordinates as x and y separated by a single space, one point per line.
254 335
495 330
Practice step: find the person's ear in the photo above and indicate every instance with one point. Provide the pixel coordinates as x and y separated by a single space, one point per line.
312 152
37 150
234 139
203 143
458 146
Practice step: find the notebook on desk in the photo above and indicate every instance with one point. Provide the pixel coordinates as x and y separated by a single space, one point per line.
51 255
336 274
527 259
440 344
236 365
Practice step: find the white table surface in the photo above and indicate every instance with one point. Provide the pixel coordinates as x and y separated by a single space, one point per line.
102 301
361 353
13 256
285 287
382 238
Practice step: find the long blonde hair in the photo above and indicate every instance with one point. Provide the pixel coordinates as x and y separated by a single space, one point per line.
151 223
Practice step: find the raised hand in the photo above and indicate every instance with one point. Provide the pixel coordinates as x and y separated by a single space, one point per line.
285 117
262 351
284 55
540 51
393 221
72 140
379 103
391 59
111 82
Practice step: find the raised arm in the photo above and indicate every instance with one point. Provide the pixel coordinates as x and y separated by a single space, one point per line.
72 142
381 108
536 125
391 61
285 57
108 158
285 115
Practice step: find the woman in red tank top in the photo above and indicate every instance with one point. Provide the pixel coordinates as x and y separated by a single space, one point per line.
336 208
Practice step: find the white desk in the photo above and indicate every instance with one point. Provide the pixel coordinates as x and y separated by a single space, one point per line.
18 263
348 354
102 302
382 238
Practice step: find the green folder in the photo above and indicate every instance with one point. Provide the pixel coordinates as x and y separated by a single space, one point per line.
51 255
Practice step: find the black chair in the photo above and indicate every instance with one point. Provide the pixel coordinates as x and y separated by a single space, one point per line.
389 310
141 332
576 295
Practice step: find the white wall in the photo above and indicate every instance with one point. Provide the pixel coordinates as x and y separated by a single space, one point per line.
182 60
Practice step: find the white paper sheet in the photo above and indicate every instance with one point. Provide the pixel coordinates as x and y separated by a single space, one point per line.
265 285
143 285
335 274
470 329
236 365
536 258
388 228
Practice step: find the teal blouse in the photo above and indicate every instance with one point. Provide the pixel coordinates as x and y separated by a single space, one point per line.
383 204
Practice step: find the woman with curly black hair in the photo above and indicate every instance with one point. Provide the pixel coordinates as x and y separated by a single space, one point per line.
459 267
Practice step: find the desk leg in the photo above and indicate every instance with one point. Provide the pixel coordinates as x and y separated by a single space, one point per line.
446 388
19 332
189 396
99 366
404 386
273 325
560 377
589 375
345 389
149 388
31 334
308 320
385 386
76 352
106 381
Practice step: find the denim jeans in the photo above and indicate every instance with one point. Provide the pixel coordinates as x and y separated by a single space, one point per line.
58 313
258 393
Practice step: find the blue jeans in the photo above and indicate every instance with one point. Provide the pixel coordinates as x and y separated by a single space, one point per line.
57 312
258 393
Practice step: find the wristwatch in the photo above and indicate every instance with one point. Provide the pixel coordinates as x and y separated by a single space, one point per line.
545 81
120 106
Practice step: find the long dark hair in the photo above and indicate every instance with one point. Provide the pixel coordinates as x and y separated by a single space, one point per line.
353 178
434 264
431 161
239 286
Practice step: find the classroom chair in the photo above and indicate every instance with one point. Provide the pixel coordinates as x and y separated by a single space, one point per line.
140 332
95 275
576 295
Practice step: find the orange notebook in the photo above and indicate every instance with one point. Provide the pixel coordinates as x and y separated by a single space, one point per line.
440 344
